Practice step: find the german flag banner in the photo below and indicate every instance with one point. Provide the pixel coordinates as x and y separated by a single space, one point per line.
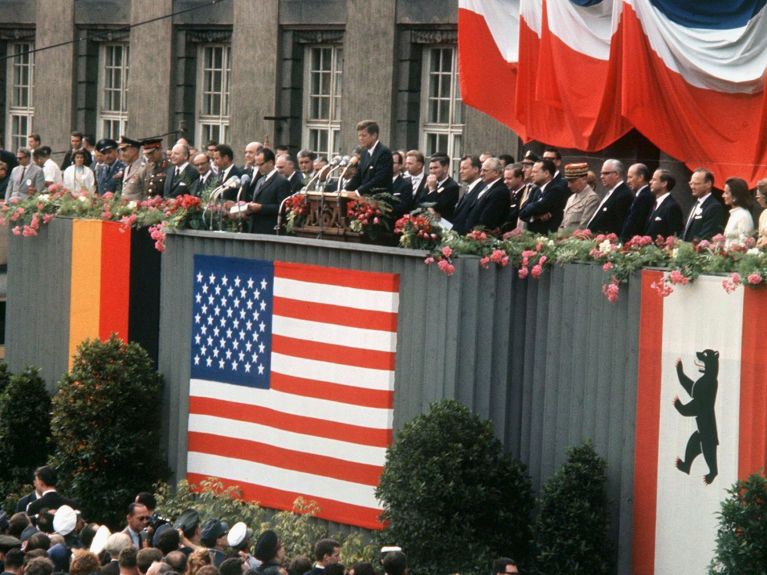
114 285
701 417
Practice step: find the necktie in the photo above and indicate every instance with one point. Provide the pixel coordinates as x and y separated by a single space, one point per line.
259 185
692 215
178 171
23 171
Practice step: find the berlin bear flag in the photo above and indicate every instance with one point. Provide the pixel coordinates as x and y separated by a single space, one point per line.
701 417
292 383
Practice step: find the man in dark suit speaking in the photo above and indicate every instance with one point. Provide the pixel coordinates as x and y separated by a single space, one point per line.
375 166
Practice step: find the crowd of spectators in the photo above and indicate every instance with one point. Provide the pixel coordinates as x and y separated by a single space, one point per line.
538 193
48 535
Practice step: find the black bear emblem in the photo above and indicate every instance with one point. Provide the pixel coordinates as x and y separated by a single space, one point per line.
703 393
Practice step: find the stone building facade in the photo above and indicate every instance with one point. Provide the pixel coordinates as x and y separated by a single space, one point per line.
298 72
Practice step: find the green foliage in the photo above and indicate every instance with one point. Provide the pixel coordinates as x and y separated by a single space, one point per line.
454 500
25 420
571 530
741 541
106 428
298 529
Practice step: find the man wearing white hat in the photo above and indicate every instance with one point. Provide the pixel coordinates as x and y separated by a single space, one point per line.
239 540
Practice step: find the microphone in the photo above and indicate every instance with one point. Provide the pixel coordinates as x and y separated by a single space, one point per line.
244 182
336 160
345 161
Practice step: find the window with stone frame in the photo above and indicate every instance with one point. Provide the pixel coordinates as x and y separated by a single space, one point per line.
213 93
441 104
323 86
114 66
20 94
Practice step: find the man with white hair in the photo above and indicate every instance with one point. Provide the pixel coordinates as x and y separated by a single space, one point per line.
612 210
180 175
116 542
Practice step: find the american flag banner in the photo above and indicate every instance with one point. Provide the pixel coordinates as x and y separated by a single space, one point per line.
292 383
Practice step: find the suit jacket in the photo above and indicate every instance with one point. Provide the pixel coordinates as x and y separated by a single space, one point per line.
578 210
402 190
374 173
270 195
21 178
491 208
51 500
636 219
444 197
296 181
178 186
665 220
611 214
550 201
463 208
706 221
26 500
105 177
200 189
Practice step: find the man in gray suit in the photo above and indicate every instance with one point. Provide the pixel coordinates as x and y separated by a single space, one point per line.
26 179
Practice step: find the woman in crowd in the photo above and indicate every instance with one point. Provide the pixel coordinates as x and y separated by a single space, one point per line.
78 176
738 199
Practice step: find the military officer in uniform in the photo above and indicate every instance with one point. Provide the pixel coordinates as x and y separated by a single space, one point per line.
135 168
154 173
109 173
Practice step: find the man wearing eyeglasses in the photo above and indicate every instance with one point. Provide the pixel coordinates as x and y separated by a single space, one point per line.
26 179
612 210
138 519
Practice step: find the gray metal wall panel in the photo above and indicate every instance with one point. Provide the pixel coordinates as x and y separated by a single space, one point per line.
37 312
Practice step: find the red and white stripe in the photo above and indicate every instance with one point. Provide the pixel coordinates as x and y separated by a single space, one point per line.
321 431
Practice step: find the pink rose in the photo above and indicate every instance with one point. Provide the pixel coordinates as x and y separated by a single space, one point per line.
522 273
447 251
428 261
754 278
537 271
607 267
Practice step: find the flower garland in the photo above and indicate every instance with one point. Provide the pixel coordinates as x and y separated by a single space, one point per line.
158 214
531 254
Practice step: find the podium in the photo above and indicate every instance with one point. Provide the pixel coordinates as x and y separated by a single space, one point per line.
326 217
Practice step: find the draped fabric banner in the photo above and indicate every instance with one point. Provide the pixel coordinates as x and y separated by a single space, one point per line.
581 73
701 417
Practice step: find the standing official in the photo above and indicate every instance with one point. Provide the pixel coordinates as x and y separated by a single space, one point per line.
375 166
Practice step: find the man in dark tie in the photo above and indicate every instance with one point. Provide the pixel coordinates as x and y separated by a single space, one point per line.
180 175
267 195
638 180
543 212
706 217
665 219
442 190
612 210
206 180
469 171
375 166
